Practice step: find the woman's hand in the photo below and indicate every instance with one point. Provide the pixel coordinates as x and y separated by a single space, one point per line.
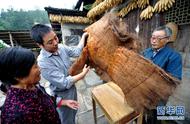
70 103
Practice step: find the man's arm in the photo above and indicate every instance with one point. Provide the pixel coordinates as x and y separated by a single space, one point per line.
58 79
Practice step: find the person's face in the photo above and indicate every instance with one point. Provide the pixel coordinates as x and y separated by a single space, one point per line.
34 75
50 42
158 39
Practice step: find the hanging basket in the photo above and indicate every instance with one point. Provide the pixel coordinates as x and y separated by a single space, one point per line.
174 28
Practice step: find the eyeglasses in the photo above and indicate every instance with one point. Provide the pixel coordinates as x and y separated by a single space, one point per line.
158 38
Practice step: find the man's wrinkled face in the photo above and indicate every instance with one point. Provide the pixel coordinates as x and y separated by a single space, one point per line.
50 42
158 39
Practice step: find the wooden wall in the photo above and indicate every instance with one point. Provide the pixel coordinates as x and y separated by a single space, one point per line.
182 44
145 26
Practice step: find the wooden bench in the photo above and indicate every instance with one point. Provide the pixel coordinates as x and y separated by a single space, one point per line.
111 100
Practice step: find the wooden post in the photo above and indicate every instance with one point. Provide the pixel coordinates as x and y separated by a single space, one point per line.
94 110
11 39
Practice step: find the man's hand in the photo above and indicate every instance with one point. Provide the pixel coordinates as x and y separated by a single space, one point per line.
85 69
83 39
85 35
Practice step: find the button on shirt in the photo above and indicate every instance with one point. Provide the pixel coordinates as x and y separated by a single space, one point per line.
54 66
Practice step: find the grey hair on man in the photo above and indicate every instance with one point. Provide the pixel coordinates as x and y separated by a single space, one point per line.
166 29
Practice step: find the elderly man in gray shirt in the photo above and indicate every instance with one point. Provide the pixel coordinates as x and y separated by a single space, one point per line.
54 62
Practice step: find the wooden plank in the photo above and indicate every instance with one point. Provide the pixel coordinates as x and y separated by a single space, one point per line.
116 88
111 100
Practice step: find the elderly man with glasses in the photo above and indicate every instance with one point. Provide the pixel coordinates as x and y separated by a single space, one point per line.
162 55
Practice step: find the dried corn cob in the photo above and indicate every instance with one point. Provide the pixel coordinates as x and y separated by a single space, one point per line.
163 5
147 13
142 3
132 5
69 19
102 7
96 3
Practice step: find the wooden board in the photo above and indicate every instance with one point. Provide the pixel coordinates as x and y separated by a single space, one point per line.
111 100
